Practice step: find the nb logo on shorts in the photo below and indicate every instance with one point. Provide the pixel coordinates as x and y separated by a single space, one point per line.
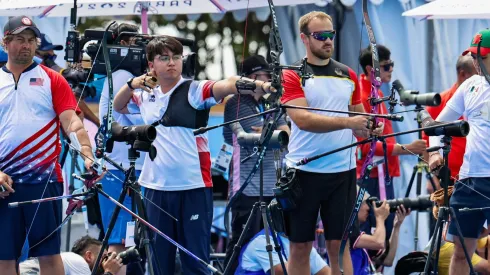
152 98
194 217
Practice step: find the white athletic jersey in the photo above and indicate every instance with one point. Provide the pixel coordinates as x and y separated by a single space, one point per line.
334 86
472 100
29 124
120 150
183 160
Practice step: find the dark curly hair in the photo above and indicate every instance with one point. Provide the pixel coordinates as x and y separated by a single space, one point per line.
83 244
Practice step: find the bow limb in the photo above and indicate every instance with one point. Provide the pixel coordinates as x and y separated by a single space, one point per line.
104 133
367 165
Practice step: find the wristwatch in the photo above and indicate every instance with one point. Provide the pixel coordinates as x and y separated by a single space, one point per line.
129 83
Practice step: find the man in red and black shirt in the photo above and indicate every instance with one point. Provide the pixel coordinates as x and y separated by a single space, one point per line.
376 186
464 69
328 184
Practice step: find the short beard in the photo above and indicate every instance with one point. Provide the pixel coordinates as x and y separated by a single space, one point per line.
22 60
321 54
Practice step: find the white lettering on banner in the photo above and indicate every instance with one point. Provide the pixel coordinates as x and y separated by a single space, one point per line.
106 5
174 3
93 6
123 5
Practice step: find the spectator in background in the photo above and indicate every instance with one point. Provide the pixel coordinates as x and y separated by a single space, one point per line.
238 106
80 261
376 185
371 252
464 70
46 54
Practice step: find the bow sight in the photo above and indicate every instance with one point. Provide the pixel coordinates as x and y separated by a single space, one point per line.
131 58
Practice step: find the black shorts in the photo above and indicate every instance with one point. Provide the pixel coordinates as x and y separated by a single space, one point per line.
332 194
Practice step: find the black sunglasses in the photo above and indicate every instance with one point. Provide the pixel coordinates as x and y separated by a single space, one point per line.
387 66
322 35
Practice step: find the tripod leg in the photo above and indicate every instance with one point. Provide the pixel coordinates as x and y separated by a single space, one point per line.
238 245
436 235
149 246
407 193
267 236
109 230
428 175
461 239
277 245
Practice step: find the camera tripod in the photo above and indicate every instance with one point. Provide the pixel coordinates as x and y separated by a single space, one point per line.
445 212
130 185
259 207
418 170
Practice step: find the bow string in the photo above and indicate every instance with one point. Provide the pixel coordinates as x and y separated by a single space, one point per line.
368 163
273 101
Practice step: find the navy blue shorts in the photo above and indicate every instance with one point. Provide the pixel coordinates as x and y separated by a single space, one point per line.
470 222
194 210
113 186
17 221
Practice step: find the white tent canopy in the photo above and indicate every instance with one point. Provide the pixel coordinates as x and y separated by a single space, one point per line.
61 8
452 9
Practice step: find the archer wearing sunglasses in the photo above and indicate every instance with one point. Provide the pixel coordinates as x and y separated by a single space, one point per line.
328 184
393 149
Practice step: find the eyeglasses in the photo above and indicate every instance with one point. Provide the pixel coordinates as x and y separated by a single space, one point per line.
388 66
166 58
322 35
475 57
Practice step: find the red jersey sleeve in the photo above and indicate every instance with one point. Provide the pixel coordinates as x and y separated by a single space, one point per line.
356 94
378 151
63 98
292 86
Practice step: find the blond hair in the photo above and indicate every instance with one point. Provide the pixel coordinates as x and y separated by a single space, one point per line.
306 19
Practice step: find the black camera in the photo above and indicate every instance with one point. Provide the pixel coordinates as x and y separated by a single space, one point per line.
146 133
408 97
278 140
131 58
131 255
288 190
75 77
140 137
458 128
420 203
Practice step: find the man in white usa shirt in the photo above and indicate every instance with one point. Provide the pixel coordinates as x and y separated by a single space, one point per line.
179 178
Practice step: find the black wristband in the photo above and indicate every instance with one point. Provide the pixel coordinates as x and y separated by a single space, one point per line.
129 83
108 273
246 85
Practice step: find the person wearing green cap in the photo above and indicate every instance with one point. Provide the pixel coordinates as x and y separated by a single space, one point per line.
472 101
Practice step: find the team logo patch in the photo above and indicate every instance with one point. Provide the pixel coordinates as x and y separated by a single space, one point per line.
36 81
338 72
26 21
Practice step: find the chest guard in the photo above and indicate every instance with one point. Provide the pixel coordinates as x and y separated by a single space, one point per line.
180 112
